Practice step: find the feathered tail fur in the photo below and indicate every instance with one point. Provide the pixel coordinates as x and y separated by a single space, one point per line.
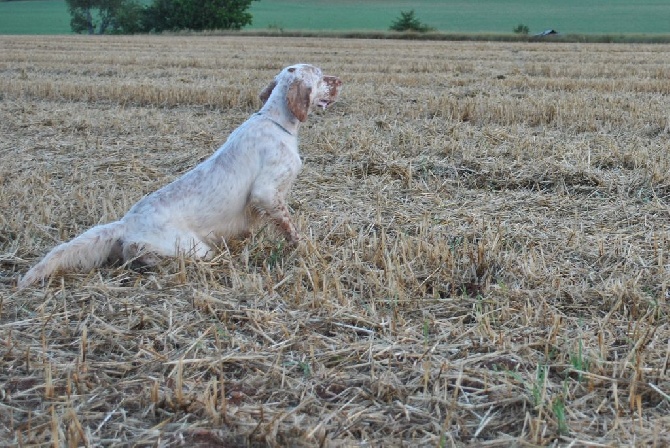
87 251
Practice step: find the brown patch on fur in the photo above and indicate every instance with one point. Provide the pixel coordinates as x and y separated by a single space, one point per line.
267 91
333 83
297 99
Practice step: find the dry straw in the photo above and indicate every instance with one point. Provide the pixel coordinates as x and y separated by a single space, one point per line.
485 258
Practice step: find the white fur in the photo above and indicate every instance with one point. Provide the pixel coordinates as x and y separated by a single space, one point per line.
252 172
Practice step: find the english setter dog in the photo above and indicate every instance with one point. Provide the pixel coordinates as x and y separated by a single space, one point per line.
249 175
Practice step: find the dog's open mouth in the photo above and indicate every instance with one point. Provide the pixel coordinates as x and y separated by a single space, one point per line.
323 103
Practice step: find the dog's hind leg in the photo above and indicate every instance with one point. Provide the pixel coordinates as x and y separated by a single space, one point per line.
149 253
140 255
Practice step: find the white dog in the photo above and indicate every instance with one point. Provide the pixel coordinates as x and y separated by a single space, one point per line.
252 172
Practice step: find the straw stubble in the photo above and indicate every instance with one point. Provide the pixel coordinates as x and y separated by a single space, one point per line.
485 256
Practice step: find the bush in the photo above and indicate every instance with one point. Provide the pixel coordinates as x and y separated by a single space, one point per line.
521 29
197 15
408 22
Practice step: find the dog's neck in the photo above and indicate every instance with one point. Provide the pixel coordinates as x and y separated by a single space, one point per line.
276 110
277 123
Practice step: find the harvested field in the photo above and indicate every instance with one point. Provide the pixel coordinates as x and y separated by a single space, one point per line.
486 254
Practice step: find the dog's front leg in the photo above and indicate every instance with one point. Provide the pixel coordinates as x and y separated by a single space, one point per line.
280 215
268 194
274 207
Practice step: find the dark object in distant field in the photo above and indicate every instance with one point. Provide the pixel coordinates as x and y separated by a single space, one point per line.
545 33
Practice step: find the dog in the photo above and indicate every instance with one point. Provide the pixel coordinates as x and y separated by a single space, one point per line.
248 176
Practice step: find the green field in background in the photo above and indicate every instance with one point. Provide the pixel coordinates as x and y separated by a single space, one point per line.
470 16
462 16
34 17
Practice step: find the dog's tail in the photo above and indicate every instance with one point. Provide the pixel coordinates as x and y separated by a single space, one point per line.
87 251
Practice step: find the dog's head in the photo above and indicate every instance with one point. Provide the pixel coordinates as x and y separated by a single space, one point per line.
305 86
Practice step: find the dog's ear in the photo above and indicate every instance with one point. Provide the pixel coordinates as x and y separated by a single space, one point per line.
297 99
267 91
334 83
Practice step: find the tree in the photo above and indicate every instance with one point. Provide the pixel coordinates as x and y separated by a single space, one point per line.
129 19
131 16
197 15
104 16
408 22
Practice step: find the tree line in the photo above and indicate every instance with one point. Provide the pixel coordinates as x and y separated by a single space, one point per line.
135 16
